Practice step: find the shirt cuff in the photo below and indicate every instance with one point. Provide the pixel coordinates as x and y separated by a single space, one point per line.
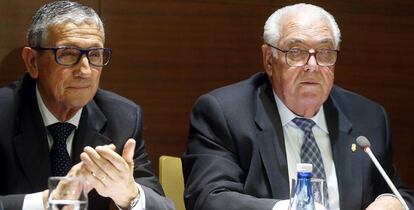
33 201
386 194
141 202
281 205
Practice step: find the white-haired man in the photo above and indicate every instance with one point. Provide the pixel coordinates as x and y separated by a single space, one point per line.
246 139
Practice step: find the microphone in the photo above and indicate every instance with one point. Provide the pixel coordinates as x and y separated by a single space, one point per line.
363 142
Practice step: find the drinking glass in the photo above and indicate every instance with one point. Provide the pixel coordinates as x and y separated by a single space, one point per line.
318 193
67 193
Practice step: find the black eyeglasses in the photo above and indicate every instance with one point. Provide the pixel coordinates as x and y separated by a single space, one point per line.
70 56
298 57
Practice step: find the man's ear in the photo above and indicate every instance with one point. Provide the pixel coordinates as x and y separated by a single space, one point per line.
30 57
267 59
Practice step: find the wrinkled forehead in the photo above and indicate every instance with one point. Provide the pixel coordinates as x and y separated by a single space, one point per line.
72 31
308 29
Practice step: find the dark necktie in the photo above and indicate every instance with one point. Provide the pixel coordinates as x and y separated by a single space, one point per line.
310 152
59 157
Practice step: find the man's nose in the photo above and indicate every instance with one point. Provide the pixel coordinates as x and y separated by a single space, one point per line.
84 67
312 64
312 60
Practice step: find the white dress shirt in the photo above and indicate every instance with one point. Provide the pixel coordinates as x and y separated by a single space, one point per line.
294 138
34 201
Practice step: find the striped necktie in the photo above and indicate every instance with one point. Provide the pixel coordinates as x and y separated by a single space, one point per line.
310 152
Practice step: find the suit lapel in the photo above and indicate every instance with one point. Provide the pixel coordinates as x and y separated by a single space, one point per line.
271 142
90 130
30 143
348 169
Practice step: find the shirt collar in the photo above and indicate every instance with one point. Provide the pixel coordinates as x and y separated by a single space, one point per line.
286 116
49 118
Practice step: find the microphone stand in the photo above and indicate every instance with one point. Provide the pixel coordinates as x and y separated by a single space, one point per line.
387 179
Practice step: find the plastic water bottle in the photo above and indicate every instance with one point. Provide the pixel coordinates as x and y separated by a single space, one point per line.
303 197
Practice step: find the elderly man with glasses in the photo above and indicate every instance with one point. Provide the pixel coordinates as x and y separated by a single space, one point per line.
245 139
55 121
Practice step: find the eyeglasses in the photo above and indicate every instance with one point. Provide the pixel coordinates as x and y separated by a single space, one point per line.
70 56
296 57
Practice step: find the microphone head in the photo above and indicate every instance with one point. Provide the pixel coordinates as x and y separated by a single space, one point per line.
363 142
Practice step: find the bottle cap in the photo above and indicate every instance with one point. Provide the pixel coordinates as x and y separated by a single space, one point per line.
304 167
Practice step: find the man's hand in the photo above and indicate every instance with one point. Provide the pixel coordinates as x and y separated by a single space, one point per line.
45 195
75 171
111 174
386 203
284 205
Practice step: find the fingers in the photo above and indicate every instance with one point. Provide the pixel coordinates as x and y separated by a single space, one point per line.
96 178
45 195
112 147
110 173
75 170
66 188
104 162
99 166
114 158
93 180
88 186
128 152
66 184
104 158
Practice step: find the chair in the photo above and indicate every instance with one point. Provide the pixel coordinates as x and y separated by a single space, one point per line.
171 179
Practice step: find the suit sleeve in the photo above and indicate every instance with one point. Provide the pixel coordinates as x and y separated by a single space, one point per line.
12 202
387 163
213 177
143 173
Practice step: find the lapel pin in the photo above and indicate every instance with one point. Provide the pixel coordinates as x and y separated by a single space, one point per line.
353 147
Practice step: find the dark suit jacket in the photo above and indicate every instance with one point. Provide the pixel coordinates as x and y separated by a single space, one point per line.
236 157
24 150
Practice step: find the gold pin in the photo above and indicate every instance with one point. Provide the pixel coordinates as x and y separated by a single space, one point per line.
353 147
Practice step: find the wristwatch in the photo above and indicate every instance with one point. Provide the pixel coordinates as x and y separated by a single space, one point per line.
134 202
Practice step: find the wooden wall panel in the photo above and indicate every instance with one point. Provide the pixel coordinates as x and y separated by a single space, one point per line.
168 52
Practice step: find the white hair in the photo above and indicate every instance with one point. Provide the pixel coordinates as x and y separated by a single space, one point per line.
56 13
273 25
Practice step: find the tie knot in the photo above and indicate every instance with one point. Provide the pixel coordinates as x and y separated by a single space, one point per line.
60 131
304 124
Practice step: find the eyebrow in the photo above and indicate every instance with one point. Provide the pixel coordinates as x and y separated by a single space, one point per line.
327 41
77 46
302 41
295 41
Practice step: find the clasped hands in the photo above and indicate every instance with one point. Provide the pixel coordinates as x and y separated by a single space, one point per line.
109 173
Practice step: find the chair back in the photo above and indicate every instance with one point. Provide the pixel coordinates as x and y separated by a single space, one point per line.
171 179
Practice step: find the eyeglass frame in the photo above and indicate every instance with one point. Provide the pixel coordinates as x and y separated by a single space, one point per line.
82 52
309 55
